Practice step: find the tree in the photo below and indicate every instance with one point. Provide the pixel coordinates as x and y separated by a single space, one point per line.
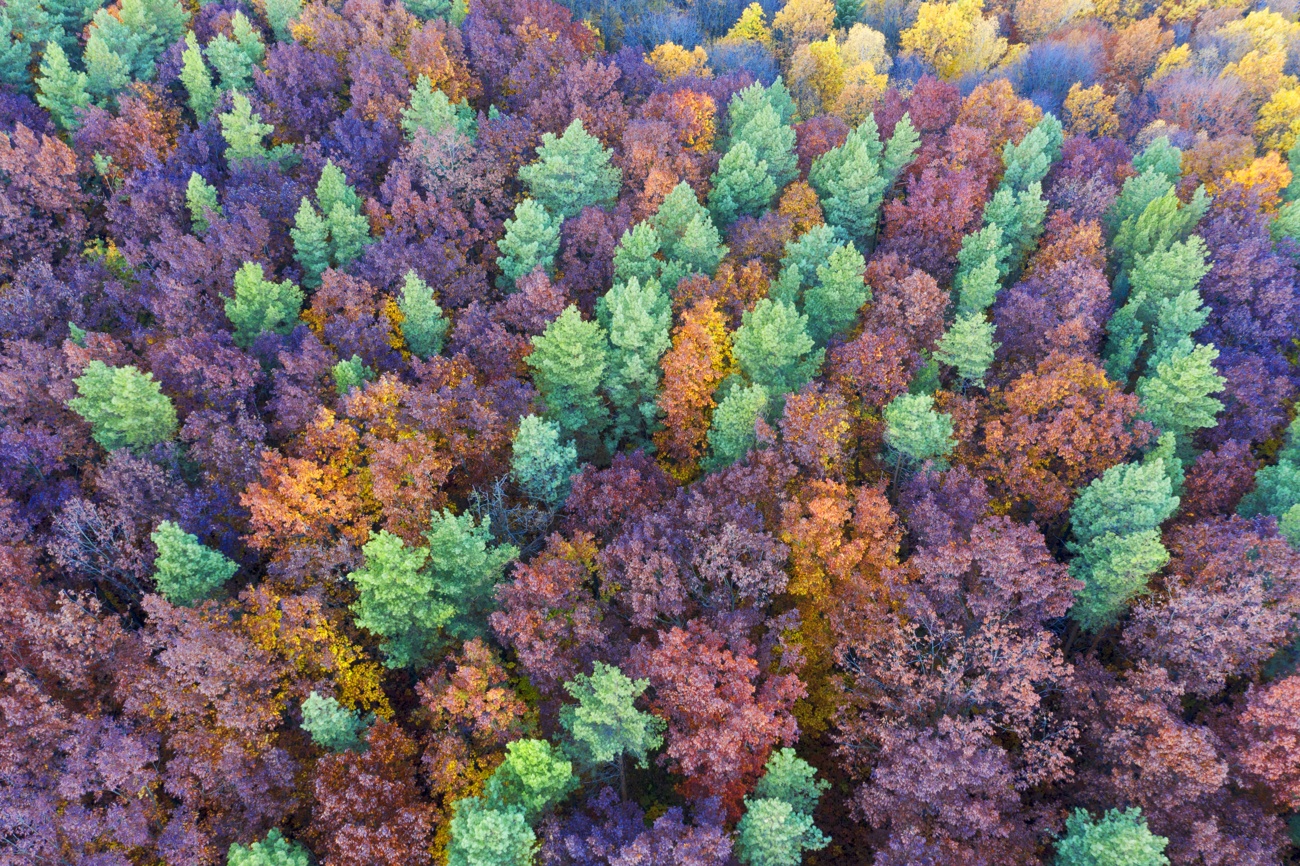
605 727
637 317
698 361
235 59
772 139
260 305
915 431
968 347
278 14
424 327
61 91
1119 838
430 110
274 850
773 833
1178 396
336 235
852 179
571 172
124 407
201 200
773 349
539 464
1115 521
331 725
569 361
742 185
790 778
823 278
531 241
482 836
186 571
243 131
689 241
732 434
350 374
410 596
534 777
106 72
197 79
955 38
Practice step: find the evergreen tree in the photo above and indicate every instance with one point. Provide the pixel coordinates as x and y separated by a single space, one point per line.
186 571
635 256
731 434
260 305
482 836
335 235
15 55
1178 396
410 596
572 172
139 31
1027 162
236 59
687 236
979 278
915 432
311 243
432 111
124 407
833 300
1117 546
637 317
451 11
569 361
243 131
331 725
106 72
274 850
773 144
1161 157
968 347
279 14
852 179
424 327
61 91
531 240
788 777
774 833
748 102
201 200
540 464
1119 838
533 778
742 185
605 727
1277 487
773 349
350 374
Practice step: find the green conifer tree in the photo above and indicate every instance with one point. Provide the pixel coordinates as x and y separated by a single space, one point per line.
124 407
185 571
279 14
61 91
197 79
635 256
260 305
688 239
742 185
432 111
637 318
106 72
274 850
773 348
15 54
968 347
531 240
569 361
350 374
731 433
243 131
201 201
533 778
482 836
572 172
774 833
332 726
1118 838
773 143
605 727
1178 395
540 464
311 243
424 327
915 432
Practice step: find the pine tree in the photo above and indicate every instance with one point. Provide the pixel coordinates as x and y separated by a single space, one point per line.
350 374
773 144
331 725
572 172
541 466
201 201
397 600
124 407
732 434
311 243
531 240
1027 162
569 361
788 777
106 72
774 833
915 432
742 185
260 305
638 318
1119 838
747 103
851 180
15 55
279 13
335 239
61 91
274 850
185 571
833 300
451 11
236 59
432 111
243 131
1277 487
605 727
773 349
424 327
533 778
1161 157
481 836
1178 396
635 256
687 236
968 347
197 79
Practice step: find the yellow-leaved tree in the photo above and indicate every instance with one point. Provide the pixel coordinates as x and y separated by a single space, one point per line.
956 38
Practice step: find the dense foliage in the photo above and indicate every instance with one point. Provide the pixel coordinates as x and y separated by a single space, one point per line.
498 432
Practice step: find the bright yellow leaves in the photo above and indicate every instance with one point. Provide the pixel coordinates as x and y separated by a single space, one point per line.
1090 111
672 61
955 38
